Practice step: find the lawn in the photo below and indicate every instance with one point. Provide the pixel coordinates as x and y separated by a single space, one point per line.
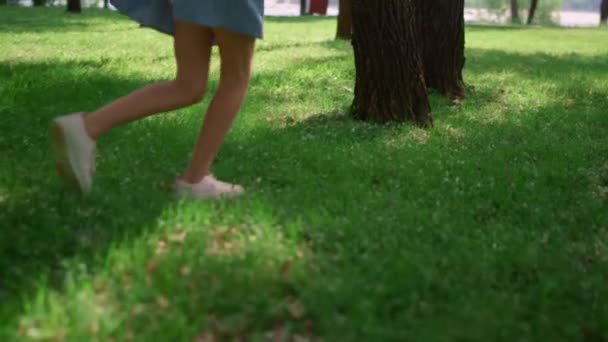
493 225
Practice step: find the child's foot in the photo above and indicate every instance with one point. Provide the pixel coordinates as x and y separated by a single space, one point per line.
207 188
74 151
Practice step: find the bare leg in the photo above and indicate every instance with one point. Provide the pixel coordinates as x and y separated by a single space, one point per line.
236 52
192 54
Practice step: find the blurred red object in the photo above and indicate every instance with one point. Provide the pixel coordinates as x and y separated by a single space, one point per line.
318 7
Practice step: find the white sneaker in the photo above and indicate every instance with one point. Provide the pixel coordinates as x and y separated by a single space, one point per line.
74 151
207 188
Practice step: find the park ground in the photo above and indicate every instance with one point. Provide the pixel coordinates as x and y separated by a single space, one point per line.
491 226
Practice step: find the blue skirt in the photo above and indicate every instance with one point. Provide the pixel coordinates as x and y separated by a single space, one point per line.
240 16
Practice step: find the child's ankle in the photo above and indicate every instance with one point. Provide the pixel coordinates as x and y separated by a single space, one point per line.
89 128
191 178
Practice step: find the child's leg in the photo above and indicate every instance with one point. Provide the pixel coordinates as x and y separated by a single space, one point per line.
192 54
236 57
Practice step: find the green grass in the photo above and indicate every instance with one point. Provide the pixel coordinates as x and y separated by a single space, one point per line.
491 226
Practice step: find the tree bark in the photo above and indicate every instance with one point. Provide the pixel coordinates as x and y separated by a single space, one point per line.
74 6
442 41
390 83
532 12
106 4
514 11
303 7
604 12
345 20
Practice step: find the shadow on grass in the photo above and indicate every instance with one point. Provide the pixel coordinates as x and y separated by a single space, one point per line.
416 210
46 228
401 200
392 175
406 202
43 227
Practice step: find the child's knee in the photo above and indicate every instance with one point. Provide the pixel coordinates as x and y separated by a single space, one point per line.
236 76
190 92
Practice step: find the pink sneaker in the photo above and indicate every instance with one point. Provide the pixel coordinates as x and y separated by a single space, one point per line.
74 151
208 188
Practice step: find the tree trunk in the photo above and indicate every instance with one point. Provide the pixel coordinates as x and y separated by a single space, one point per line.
532 12
39 2
442 42
303 7
74 6
514 11
106 4
345 20
604 12
389 77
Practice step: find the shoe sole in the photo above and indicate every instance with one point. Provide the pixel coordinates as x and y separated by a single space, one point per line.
207 198
62 160
189 194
